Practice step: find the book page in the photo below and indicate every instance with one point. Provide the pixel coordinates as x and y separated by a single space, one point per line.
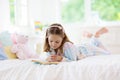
41 62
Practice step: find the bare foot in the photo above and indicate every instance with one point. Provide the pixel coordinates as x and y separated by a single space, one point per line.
101 31
87 34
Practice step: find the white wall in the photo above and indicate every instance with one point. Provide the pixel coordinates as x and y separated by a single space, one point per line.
45 11
4 14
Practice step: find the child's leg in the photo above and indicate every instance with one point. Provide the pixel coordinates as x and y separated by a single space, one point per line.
97 34
94 38
100 32
94 41
98 45
87 34
97 50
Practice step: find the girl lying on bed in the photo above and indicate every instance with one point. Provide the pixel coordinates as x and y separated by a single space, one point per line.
59 48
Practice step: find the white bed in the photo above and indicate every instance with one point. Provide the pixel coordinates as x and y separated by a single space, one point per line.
103 67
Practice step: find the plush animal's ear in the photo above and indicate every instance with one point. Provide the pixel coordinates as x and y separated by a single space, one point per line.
14 38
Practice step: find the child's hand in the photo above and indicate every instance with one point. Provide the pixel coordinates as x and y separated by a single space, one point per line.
54 58
59 58
49 59
81 56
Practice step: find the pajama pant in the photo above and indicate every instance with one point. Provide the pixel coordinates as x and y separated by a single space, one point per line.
92 47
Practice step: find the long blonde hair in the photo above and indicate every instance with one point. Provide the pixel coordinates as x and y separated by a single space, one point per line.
56 29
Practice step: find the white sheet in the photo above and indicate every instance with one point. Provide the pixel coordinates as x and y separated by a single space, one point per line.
104 67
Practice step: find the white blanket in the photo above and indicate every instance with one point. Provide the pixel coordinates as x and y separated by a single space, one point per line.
104 67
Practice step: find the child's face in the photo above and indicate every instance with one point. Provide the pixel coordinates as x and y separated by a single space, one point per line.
55 41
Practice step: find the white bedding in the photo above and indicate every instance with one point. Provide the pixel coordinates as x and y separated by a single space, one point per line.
104 67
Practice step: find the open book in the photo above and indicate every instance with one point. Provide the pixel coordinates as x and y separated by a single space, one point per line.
45 63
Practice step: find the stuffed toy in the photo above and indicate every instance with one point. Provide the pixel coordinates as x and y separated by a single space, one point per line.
5 38
2 54
21 48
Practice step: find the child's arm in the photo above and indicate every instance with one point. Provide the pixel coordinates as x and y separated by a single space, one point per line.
70 52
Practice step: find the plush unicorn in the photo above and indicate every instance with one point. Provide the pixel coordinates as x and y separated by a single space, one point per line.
21 48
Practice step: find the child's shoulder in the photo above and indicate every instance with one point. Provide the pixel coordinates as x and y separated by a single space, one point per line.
68 44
